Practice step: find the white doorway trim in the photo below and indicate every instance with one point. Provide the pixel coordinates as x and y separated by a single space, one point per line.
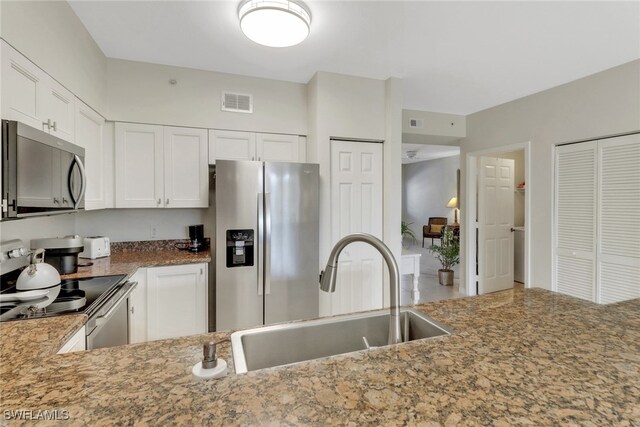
470 208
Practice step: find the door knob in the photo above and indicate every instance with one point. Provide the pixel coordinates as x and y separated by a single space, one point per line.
512 229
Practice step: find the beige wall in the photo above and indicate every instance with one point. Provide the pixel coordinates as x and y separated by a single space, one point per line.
50 34
603 104
342 106
140 92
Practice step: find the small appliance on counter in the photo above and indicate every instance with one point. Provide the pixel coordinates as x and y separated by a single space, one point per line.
61 252
96 247
196 238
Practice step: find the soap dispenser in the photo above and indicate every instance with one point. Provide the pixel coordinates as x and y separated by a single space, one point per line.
211 366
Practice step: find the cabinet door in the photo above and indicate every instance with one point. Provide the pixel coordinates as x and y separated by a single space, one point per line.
22 88
186 168
277 148
176 301
89 134
138 308
575 220
58 109
139 166
618 219
232 145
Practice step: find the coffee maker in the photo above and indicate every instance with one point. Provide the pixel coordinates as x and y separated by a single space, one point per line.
196 238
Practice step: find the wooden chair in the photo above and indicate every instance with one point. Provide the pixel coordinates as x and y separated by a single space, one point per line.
428 231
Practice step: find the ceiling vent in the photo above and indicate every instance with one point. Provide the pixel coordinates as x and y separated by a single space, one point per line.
416 123
237 102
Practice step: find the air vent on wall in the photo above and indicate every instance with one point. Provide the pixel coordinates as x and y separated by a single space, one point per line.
237 102
416 123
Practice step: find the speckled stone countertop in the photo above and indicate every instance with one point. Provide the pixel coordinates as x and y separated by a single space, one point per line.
127 257
520 357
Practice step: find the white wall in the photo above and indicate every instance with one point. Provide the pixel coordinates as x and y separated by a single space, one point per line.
437 128
603 104
140 92
124 225
427 187
51 35
37 228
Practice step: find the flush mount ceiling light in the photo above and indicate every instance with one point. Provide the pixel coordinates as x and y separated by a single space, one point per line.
274 23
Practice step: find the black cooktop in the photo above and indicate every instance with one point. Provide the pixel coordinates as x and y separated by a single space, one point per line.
76 296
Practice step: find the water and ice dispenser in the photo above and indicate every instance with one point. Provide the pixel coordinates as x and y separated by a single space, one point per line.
239 248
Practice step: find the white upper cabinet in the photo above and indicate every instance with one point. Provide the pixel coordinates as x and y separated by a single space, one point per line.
231 145
89 135
139 166
235 145
31 96
21 88
186 170
161 167
271 147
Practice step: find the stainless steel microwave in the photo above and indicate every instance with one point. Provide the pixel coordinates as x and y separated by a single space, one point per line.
41 174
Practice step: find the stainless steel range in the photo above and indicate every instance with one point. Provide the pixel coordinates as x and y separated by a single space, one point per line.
104 299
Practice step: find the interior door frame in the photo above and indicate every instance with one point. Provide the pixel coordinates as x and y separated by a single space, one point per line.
470 225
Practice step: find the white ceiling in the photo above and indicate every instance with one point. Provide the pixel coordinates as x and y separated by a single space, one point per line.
426 152
455 57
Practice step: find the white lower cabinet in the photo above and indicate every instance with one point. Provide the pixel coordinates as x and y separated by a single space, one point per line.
77 342
169 302
138 308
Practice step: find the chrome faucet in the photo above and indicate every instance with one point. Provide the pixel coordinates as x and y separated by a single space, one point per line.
328 277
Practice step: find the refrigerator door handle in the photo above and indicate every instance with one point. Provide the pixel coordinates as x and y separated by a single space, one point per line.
267 244
260 240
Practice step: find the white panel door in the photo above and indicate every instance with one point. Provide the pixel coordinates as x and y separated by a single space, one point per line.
575 220
22 88
176 301
271 147
186 168
495 224
232 145
89 135
618 219
356 207
58 108
139 166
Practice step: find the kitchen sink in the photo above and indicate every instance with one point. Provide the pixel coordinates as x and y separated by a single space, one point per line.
288 343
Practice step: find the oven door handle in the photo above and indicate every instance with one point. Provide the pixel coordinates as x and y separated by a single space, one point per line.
105 317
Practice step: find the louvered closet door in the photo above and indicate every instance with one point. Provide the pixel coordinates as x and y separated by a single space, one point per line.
575 214
619 219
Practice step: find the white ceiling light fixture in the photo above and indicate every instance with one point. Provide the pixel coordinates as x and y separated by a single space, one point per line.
275 23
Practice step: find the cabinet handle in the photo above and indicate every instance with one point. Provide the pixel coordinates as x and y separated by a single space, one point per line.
131 309
56 201
48 124
65 201
55 126
167 202
159 201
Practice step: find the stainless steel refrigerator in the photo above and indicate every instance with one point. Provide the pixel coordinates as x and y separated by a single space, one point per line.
267 242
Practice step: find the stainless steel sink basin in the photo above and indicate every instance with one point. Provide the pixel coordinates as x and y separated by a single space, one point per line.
284 344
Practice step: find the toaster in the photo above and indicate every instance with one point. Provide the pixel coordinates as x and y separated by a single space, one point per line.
96 247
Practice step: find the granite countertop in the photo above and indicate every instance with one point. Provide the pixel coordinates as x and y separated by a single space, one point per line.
127 257
519 357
